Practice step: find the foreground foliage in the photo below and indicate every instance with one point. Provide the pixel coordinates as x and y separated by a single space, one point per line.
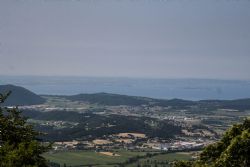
233 150
19 146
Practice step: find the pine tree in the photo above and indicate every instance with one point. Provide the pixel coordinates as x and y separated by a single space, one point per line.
19 146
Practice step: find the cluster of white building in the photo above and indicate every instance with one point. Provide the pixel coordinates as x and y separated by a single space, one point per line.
180 145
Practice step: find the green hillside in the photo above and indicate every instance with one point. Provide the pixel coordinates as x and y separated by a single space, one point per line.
97 125
116 100
20 96
110 99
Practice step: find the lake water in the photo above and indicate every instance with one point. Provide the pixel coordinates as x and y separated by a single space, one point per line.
190 89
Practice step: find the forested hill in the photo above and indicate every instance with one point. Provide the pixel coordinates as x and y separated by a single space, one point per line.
238 104
20 96
116 99
111 99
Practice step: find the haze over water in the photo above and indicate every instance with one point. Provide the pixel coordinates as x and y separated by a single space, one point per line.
190 89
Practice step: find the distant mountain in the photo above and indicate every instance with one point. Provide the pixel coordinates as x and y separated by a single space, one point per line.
110 99
20 96
116 99
238 104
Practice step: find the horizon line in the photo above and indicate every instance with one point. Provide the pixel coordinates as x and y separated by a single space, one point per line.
130 77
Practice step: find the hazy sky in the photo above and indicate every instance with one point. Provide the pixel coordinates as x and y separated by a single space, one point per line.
131 38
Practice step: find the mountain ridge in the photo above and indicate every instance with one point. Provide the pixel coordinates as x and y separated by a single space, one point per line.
23 96
117 99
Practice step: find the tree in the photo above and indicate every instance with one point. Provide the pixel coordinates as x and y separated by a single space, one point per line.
232 150
19 146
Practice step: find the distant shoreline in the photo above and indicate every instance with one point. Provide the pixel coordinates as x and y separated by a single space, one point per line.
188 89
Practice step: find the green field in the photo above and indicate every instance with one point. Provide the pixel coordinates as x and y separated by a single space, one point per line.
77 158
171 157
161 159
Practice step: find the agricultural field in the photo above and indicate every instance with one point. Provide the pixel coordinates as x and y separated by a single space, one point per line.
77 158
114 158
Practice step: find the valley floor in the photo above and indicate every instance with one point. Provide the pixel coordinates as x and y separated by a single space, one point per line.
125 158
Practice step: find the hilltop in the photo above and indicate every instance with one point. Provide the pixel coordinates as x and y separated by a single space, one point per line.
20 96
